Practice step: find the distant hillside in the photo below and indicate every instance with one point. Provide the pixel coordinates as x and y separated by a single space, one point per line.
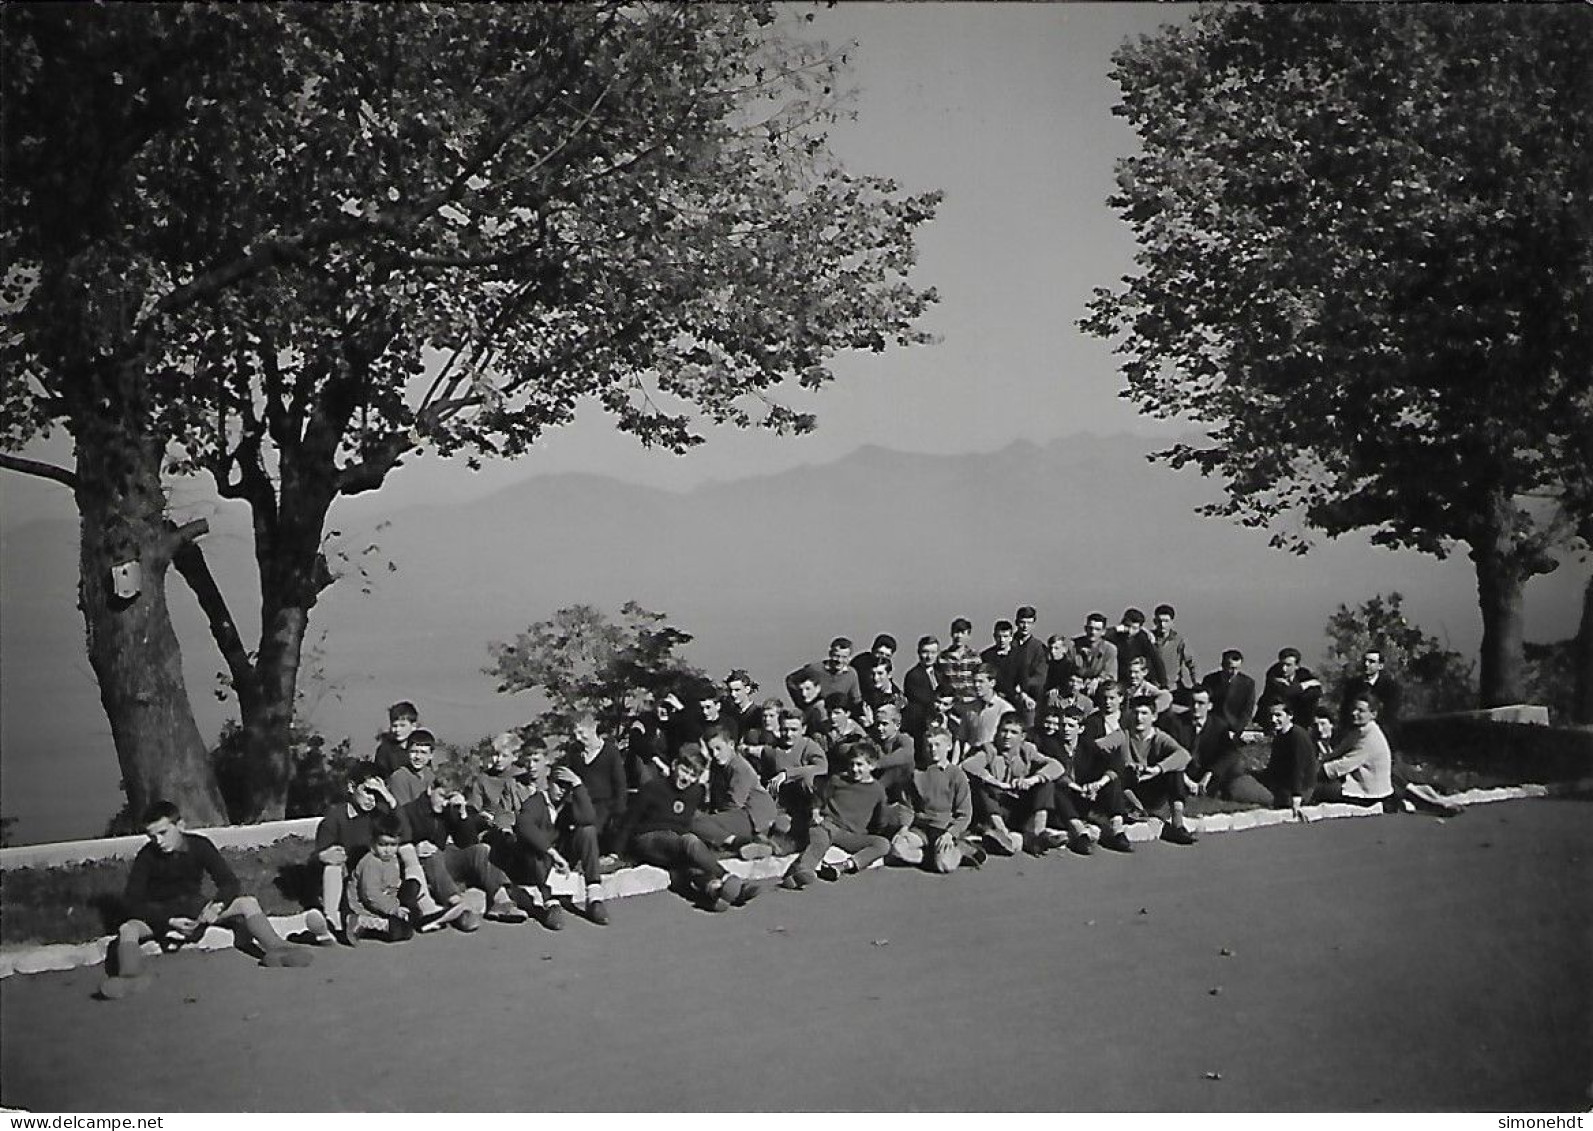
764 571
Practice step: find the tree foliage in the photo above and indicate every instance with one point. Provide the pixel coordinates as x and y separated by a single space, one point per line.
290 245
584 663
1434 678
1366 266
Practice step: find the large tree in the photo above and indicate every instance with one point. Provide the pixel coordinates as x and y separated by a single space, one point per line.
1366 265
289 245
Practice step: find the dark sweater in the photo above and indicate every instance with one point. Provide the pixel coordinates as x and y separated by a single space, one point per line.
1293 765
853 806
421 823
352 832
162 880
659 806
390 754
603 777
538 826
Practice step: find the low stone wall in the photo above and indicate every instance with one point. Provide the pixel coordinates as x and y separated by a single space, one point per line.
642 879
126 847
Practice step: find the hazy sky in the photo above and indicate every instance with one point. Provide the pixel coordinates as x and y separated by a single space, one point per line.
1005 108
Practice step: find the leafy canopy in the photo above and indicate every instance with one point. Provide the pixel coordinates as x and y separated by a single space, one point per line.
1365 261
584 663
333 233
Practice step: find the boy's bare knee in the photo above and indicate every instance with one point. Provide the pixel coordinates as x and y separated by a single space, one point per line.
242 907
134 931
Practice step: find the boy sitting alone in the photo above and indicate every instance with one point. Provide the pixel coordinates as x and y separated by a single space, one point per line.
850 812
165 902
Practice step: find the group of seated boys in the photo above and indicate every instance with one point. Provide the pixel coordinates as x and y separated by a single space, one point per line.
1022 747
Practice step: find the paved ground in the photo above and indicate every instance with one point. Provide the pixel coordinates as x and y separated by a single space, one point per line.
1391 964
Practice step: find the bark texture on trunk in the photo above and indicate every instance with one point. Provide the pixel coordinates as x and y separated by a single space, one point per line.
1502 576
132 646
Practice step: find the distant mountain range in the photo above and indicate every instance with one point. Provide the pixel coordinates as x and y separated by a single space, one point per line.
762 570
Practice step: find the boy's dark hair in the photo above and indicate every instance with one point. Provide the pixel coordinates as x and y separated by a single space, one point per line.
842 642
1373 701
1233 654
1004 626
1050 713
1073 711
388 824
989 669
922 640
1143 701
811 674
860 748
739 675
787 714
884 640
1008 718
1103 691
1166 610
422 738
1323 711
961 624
1095 617
1285 653
692 757
362 772
161 811
836 700
1133 616
717 732
1025 612
403 709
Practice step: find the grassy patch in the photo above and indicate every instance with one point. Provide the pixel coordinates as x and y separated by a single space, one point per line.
81 902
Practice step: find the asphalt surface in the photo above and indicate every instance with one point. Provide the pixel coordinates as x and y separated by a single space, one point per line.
1384 964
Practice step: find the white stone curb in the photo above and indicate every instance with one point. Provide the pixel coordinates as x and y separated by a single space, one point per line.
643 879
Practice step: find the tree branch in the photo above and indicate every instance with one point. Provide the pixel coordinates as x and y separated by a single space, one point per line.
189 561
39 469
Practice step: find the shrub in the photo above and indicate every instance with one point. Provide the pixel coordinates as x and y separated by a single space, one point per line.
1434 678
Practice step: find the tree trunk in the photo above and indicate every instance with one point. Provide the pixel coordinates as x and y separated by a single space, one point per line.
1501 578
293 573
1582 659
132 646
268 723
